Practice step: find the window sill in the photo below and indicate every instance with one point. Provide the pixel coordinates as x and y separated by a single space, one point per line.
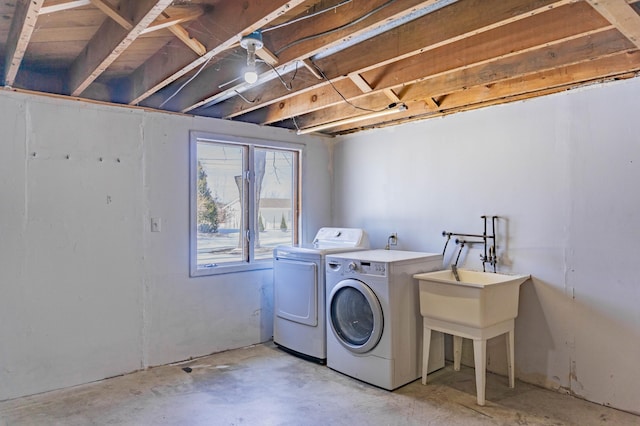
231 268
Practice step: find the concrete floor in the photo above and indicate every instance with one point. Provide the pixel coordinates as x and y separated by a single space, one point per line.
261 385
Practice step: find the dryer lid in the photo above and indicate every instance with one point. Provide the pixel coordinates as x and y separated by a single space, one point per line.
327 238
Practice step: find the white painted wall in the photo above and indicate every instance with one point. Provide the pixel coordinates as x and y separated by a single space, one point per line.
86 291
562 172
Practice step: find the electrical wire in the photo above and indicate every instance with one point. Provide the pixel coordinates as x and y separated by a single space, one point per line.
302 18
344 98
245 99
342 27
186 82
288 85
295 123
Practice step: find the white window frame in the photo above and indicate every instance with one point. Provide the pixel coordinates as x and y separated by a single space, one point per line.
250 144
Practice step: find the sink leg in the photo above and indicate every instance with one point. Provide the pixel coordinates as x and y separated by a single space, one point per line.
480 362
510 358
426 344
457 352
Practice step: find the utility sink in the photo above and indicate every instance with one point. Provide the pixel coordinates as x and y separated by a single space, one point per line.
478 306
479 299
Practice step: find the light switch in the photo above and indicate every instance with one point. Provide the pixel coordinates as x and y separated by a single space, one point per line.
155 224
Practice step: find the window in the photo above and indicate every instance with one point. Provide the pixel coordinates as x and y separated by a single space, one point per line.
244 202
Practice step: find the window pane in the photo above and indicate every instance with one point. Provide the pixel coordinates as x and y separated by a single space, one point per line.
275 200
220 204
243 203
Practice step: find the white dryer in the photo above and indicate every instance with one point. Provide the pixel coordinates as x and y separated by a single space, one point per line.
374 330
299 290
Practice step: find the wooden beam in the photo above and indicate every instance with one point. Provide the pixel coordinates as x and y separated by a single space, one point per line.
596 69
312 69
177 16
571 52
172 23
22 25
231 20
278 39
461 20
509 41
414 109
622 16
191 42
360 82
319 97
391 95
59 6
530 34
230 75
525 87
374 101
113 13
267 56
285 42
432 103
110 41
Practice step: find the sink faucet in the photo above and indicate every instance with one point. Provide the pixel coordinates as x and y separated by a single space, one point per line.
454 269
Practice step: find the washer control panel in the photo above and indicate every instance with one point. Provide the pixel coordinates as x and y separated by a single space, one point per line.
373 268
355 267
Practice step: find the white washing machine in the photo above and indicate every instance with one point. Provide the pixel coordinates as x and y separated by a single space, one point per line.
374 330
299 290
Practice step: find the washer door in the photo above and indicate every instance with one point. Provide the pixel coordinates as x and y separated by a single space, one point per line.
355 316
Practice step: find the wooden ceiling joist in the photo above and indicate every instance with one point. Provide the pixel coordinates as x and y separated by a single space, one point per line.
375 101
574 51
431 103
348 17
290 35
596 69
622 16
477 49
323 61
251 15
110 41
113 13
191 42
312 69
59 6
571 52
393 97
177 16
525 87
360 82
268 56
461 20
22 27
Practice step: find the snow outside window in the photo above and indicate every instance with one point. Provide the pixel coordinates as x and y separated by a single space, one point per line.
244 202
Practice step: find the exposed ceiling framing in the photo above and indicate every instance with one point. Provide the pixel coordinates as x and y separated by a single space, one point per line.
323 61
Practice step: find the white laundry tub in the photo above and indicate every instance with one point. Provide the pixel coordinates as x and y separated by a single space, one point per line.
479 299
480 306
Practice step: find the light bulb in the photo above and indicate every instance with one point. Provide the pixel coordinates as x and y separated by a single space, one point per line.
251 42
250 75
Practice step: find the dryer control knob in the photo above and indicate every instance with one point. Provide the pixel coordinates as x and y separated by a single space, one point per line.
353 266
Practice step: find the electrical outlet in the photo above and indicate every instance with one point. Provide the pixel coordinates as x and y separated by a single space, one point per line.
393 239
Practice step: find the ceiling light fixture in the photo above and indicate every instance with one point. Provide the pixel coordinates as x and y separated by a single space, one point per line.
251 42
393 108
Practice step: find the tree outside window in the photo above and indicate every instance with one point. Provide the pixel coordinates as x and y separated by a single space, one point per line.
235 187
